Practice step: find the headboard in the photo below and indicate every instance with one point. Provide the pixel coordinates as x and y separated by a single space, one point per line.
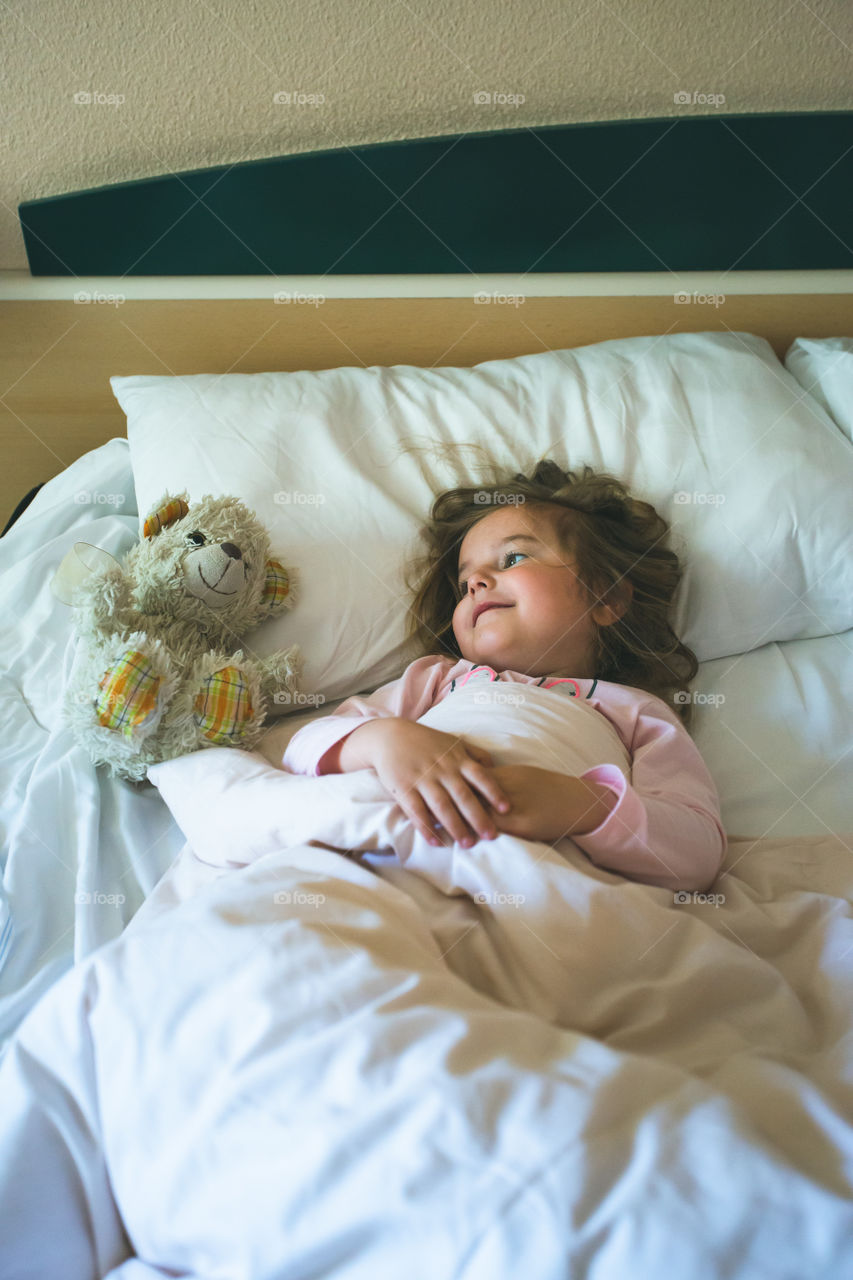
469 248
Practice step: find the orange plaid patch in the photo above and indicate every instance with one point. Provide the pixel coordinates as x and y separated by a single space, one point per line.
277 584
167 515
223 707
128 696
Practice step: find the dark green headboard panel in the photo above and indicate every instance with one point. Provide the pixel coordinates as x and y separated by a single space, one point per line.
756 192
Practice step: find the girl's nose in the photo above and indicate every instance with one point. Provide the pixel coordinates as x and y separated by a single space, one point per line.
479 578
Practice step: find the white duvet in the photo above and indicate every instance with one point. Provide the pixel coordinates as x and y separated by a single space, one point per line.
494 1062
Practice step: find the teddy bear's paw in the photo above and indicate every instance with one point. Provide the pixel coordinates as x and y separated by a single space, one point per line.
280 680
223 708
129 699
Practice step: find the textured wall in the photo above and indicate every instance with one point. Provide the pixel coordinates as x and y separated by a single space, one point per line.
175 85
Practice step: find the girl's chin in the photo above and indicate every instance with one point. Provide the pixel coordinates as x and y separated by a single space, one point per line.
489 658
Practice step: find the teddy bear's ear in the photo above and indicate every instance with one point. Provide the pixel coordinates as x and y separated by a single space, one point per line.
278 592
167 511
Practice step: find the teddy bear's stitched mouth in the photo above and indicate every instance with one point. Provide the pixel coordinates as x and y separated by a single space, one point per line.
212 588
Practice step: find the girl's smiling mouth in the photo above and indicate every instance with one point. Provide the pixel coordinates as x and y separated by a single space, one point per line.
481 608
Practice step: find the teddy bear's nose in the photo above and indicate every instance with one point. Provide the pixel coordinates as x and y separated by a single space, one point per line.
230 550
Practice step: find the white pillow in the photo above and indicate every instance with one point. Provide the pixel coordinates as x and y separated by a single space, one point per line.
824 367
709 427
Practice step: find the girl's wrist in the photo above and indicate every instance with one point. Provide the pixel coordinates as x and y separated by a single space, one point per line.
358 748
588 805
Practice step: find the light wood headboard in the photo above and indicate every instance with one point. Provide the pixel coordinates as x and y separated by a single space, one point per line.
56 357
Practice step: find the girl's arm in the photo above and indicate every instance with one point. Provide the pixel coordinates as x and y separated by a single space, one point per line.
665 827
548 806
431 775
315 748
438 779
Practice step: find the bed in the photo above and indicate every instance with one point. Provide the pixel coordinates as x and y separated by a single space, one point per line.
229 1051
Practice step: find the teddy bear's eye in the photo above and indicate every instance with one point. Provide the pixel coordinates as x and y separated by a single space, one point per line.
196 538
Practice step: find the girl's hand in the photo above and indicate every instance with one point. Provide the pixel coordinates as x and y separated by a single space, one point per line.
549 806
434 777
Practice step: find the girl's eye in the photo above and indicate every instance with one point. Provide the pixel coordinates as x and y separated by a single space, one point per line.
463 586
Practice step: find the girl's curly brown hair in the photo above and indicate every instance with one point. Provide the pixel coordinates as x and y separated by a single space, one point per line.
612 537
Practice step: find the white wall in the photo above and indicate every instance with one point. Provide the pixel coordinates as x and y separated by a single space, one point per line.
196 79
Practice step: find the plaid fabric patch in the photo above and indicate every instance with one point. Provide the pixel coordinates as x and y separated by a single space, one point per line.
224 707
128 696
172 511
277 585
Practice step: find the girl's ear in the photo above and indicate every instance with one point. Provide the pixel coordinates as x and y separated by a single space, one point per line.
610 611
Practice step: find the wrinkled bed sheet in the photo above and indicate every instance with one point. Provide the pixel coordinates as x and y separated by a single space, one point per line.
518 1064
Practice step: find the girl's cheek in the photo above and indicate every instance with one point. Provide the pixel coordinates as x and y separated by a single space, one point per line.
458 620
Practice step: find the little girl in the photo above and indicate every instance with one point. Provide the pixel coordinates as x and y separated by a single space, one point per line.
554 580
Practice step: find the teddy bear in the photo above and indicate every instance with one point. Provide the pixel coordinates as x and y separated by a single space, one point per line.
160 670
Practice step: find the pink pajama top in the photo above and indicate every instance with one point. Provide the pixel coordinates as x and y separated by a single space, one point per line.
664 826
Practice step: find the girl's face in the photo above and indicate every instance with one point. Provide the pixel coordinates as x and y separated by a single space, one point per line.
542 625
